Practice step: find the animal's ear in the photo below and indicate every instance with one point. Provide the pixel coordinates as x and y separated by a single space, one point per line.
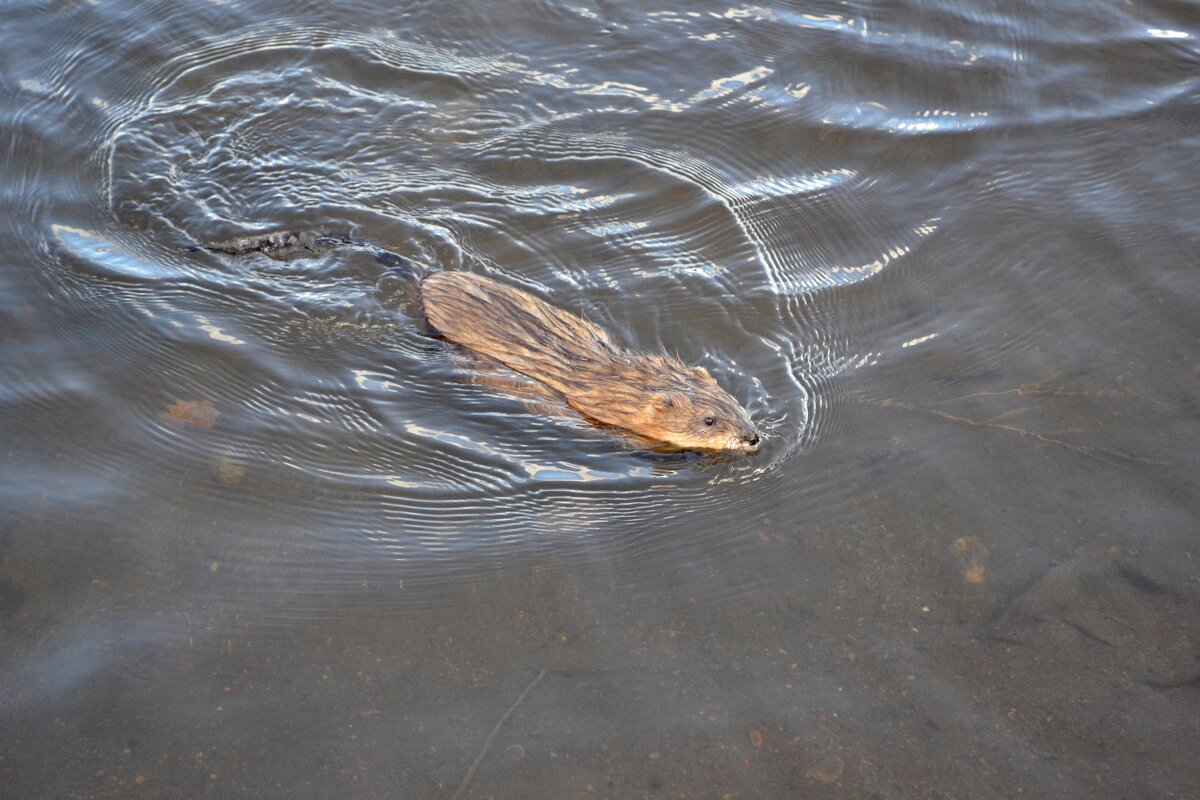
661 401
700 372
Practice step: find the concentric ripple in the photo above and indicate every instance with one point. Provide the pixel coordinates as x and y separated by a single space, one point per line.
782 215
312 379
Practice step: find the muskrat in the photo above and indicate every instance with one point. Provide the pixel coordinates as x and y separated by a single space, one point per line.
655 397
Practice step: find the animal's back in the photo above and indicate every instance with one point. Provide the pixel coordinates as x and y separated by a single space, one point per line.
516 328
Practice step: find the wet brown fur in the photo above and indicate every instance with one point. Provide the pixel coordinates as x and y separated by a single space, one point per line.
656 397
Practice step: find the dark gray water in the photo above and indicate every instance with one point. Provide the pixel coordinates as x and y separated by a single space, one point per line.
261 538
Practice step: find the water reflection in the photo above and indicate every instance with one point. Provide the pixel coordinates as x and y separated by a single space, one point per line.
259 529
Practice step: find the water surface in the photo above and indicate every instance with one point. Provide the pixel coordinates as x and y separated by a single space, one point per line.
261 536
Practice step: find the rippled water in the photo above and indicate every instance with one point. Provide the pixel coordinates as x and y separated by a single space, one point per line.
262 536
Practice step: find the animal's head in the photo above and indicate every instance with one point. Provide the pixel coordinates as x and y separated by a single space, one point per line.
695 413
666 403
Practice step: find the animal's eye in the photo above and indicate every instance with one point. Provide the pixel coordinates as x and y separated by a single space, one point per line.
709 421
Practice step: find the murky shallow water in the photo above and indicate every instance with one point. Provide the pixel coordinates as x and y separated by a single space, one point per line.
260 538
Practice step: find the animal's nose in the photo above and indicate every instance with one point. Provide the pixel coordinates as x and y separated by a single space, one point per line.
753 440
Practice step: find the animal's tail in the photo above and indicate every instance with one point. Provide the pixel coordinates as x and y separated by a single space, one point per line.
286 245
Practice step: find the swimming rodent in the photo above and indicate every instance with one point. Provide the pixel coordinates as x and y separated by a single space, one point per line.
655 397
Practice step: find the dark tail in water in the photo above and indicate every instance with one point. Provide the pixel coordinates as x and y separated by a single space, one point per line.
287 245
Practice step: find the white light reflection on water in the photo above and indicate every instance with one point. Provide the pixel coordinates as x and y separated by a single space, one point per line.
1159 33
722 87
102 254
